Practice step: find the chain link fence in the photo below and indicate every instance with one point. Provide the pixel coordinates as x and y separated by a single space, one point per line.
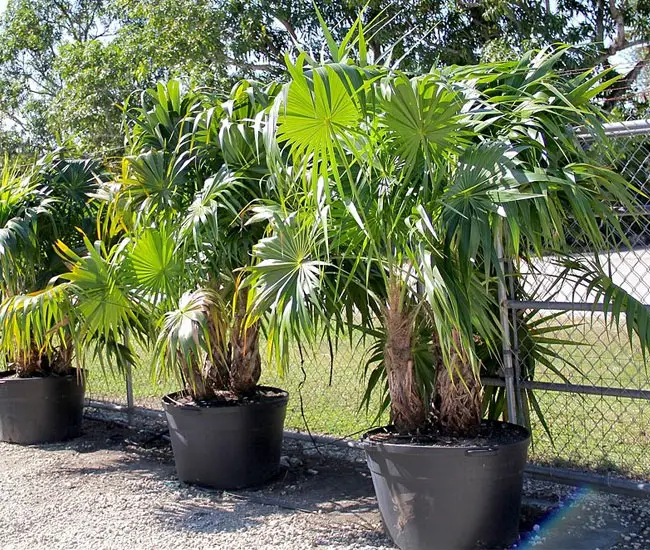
593 399
326 389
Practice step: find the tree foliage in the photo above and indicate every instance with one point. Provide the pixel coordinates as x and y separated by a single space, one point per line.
395 192
40 204
65 65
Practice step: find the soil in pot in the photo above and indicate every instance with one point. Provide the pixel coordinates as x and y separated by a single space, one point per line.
446 493
227 443
41 409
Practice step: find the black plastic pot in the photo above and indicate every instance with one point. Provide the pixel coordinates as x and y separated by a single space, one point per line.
227 447
449 498
41 410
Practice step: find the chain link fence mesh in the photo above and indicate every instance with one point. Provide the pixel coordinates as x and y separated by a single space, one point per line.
326 389
605 434
600 433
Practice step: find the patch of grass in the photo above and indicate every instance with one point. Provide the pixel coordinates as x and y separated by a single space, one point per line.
325 395
604 434
108 385
316 403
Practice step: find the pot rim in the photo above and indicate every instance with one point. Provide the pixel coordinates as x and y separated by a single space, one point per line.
168 401
366 443
75 372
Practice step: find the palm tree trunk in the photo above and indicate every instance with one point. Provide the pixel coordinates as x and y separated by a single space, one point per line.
194 378
407 410
458 394
246 365
62 360
26 366
215 368
30 363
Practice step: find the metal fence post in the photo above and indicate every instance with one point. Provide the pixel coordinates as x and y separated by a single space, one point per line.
514 317
508 367
128 375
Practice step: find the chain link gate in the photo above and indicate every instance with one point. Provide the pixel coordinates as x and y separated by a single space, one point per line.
596 405
592 423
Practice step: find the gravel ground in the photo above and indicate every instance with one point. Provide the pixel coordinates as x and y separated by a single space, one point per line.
115 488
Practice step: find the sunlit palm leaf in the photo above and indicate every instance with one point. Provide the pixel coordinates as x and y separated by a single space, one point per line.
194 331
155 264
105 305
36 321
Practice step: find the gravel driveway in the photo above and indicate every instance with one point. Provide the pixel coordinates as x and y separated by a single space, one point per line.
115 488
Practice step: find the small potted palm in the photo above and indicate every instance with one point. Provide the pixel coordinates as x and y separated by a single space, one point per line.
397 194
41 391
177 227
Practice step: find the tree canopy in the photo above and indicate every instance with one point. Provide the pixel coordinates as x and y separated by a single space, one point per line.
66 65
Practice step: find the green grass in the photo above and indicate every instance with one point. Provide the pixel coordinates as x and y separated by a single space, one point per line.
324 403
315 404
604 434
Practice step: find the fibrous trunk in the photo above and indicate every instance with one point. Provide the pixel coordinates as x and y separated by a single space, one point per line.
458 393
215 368
408 411
193 377
246 364
29 363
62 360
234 364
34 362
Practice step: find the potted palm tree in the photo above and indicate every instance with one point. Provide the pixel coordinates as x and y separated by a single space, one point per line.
41 391
397 195
176 228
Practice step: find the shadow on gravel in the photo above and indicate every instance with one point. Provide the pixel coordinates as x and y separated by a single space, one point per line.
336 491
333 488
320 484
353 539
99 435
215 517
136 450
236 511
132 465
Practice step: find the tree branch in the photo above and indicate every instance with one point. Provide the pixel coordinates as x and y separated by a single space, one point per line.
15 120
613 50
70 27
600 24
252 66
288 27
619 19
630 77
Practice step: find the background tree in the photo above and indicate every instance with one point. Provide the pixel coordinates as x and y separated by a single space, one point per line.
66 64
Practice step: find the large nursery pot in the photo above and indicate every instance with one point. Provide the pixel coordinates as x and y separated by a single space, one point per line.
229 446
41 409
449 497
